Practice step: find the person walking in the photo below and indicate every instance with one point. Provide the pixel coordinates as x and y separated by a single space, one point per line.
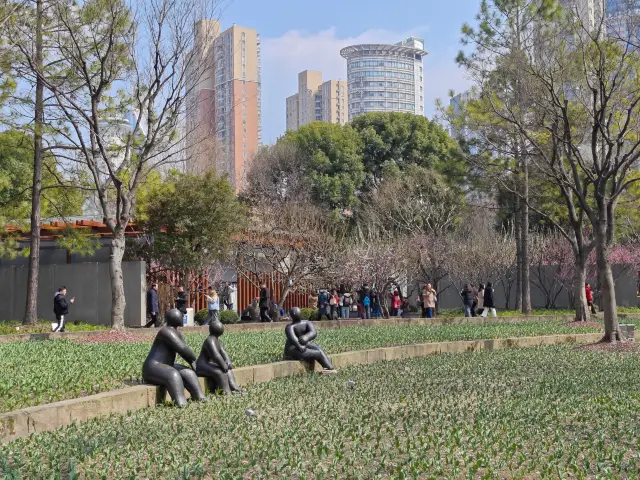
396 304
231 298
480 299
265 302
376 311
61 308
467 295
213 305
153 307
181 300
362 294
589 293
489 303
429 300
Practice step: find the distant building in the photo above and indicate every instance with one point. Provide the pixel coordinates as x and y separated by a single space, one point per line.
457 104
223 118
317 101
623 19
386 78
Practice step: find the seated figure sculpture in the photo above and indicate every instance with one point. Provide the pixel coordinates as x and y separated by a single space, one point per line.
160 368
299 333
214 364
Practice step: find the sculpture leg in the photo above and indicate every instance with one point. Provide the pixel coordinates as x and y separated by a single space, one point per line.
232 382
166 376
312 353
191 382
217 377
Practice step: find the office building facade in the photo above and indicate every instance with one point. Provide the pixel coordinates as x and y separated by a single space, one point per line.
223 118
317 101
385 78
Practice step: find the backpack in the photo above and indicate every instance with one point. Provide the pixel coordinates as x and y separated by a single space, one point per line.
346 301
366 302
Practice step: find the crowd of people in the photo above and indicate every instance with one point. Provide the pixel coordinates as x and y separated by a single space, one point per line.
478 302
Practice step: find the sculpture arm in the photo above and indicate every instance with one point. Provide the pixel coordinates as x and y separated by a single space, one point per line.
291 336
310 335
177 343
215 356
223 352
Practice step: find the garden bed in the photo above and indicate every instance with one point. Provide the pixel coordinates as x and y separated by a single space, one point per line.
66 369
14 327
552 412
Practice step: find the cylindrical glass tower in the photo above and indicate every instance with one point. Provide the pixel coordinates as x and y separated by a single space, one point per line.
385 78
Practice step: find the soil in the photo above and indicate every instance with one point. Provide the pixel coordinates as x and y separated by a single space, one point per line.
115 337
618 347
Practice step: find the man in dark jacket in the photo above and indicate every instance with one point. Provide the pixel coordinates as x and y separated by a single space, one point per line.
61 308
265 300
153 307
468 296
181 300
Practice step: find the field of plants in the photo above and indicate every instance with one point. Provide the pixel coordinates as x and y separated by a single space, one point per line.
15 327
552 412
48 371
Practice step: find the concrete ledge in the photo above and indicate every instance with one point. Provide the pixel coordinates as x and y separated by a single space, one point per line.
21 423
355 322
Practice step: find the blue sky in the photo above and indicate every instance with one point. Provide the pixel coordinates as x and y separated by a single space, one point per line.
300 35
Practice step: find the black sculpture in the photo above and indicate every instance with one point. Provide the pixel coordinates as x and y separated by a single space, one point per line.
299 347
214 364
160 368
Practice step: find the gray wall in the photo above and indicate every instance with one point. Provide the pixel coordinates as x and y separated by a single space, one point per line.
89 283
625 278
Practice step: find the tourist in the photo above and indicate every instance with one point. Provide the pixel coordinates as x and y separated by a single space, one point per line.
313 299
366 307
61 308
362 294
333 304
213 305
265 302
396 304
489 303
324 309
231 298
375 302
346 304
429 300
467 295
153 307
181 300
589 293
480 299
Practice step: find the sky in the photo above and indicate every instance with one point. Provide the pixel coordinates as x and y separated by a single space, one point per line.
298 35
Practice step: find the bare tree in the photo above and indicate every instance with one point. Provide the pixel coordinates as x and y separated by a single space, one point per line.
296 240
130 67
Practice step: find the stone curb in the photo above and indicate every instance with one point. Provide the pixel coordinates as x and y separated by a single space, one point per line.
21 423
259 327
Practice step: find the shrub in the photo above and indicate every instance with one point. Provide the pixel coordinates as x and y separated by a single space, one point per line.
201 316
228 317
307 313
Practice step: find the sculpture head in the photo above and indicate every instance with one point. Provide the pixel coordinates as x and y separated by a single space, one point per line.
174 318
216 328
295 314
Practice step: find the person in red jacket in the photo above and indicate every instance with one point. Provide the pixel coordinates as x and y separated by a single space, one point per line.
587 289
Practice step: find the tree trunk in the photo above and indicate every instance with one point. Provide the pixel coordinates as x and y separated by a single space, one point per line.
31 307
518 228
284 293
118 301
579 293
524 232
607 287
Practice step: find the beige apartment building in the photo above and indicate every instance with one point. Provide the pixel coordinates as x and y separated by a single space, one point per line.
223 117
317 101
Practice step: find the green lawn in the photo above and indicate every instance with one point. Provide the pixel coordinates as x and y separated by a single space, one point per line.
47 371
552 412
14 327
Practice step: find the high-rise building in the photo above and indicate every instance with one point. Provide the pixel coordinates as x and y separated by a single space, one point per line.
623 19
386 78
317 101
457 104
223 118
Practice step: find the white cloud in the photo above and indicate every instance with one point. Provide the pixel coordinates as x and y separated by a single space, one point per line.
284 57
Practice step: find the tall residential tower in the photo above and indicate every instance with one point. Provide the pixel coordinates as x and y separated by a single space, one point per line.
317 101
223 109
386 78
